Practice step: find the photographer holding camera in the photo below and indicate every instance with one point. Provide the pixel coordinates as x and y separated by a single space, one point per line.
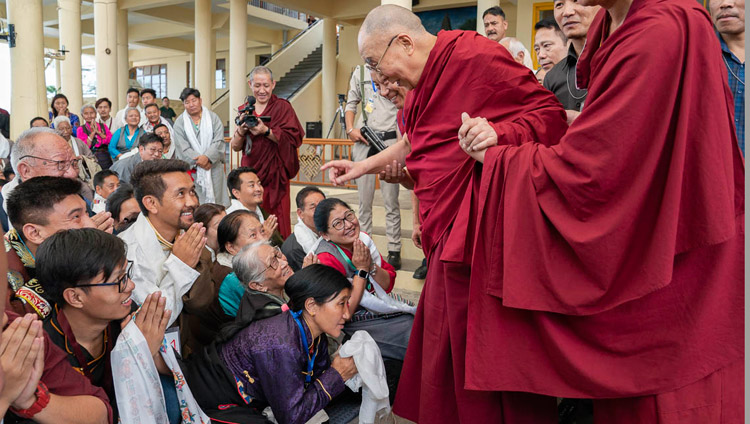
269 133
379 115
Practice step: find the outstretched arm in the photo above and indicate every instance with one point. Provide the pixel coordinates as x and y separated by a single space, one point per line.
341 171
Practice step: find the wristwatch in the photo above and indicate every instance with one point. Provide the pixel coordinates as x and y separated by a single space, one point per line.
361 273
267 133
42 399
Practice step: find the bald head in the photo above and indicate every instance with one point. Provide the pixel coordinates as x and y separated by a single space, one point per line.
391 19
35 152
393 41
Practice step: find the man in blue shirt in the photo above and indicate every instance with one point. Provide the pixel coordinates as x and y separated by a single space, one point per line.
729 18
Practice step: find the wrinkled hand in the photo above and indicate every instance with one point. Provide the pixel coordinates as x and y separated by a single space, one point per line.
356 136
571 115
22 359
345 366
203 161
416 235
310 259
189 245
103 221
395 173
342 171
361 258
269 226
152 319
476 134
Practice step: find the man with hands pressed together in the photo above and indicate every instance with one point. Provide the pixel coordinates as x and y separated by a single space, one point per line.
166 245
36 381
199 141
271 147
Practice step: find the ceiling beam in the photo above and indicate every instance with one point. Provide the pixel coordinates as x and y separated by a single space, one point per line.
173 44
175 14
148 4
152 31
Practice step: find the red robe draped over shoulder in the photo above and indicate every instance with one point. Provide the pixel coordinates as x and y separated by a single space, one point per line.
277 163
611 264
465 72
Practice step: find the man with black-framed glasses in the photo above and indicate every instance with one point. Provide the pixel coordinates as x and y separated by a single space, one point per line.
91 300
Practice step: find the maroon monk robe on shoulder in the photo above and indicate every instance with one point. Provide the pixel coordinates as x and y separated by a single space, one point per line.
465 72
277 163
611 264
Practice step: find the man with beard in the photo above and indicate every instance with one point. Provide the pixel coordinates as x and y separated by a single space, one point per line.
729 18
574 19
271 148
166 246
247 194
495 24
432 386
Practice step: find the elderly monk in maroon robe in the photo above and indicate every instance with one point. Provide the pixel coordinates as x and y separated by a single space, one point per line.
271 148
610 266
455 72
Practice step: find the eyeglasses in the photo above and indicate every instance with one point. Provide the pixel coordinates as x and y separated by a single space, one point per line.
274 264
376 66
338 224
62 165
155 151
121 284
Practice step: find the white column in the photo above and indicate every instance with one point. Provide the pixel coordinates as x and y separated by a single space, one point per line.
123 60
69 15
28 92
203 77
483 5
212 61
58 76
105 49
328 102
237 82
402 3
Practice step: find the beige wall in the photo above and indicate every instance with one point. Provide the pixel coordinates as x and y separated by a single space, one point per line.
306 103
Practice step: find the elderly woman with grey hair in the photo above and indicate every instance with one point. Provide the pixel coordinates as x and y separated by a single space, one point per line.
96 135
88 165
126 137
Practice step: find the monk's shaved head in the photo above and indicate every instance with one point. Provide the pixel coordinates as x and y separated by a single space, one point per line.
394 44
391 19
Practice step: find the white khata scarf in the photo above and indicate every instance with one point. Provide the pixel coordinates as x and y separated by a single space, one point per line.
205 131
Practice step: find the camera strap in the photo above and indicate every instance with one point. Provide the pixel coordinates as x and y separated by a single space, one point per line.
362 92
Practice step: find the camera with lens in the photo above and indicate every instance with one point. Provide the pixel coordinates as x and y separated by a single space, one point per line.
246 114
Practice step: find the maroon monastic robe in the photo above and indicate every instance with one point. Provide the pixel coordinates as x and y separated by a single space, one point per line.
277 163
610 265
465 72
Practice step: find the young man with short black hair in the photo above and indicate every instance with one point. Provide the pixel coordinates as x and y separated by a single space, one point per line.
105 183
132 99
37 209
246 193
166 245
305 236
166 111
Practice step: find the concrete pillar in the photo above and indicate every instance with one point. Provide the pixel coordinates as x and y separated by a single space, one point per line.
403 3
191 82
483 5
212 61
58 76
105 50
328 101
28 92
69 16
123 60
237 81
203 76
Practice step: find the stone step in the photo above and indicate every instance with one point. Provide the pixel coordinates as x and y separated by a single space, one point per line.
408 249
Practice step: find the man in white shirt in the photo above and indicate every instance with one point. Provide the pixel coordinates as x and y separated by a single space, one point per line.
166 246
105 183
132 99
305 237
246 193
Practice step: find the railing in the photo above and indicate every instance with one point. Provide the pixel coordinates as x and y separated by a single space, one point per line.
278 9
268 59
313 153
